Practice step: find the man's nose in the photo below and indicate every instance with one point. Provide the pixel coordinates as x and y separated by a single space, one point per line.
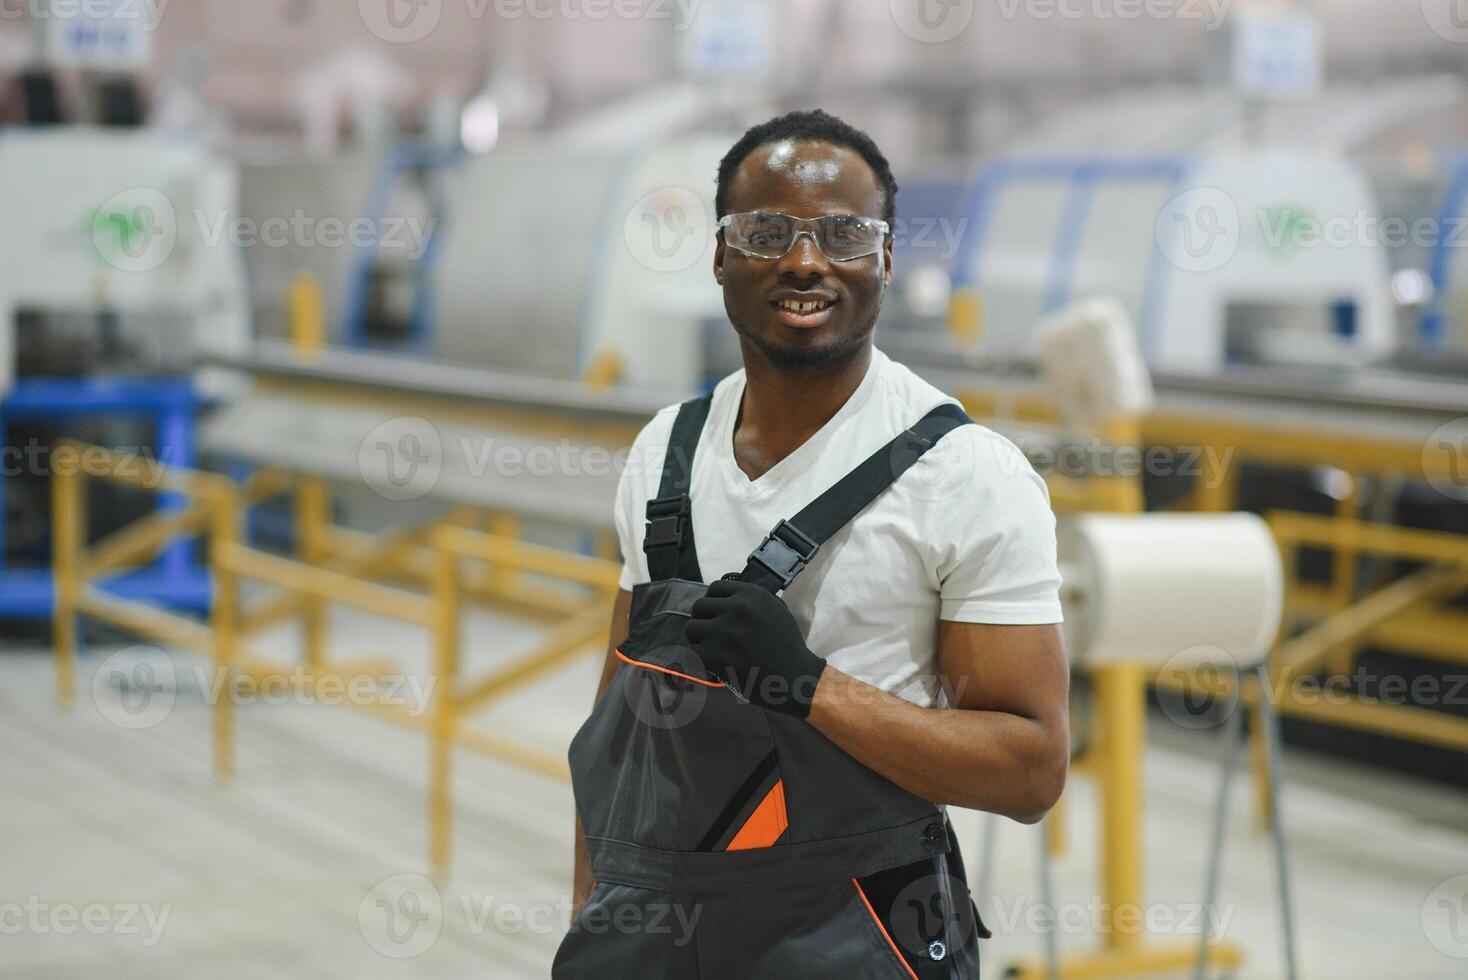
804 258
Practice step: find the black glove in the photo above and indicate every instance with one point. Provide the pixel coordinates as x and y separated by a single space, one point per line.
747 637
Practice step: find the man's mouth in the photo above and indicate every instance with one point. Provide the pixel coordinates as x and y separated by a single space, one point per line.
803 314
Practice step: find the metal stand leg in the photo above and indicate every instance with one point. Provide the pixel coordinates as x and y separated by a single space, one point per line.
1281 851
1047 896
1232 730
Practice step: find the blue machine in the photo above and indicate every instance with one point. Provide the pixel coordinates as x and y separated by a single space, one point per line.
176 579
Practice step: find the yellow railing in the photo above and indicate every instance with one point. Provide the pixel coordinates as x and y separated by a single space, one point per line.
1406 614
423 576
1400 616
1412 600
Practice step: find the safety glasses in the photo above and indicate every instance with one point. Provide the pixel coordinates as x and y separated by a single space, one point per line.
769 234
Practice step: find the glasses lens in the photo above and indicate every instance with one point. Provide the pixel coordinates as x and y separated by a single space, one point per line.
848 236
761 233
769 235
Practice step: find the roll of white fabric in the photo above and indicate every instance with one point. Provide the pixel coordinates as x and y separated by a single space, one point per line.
1173 589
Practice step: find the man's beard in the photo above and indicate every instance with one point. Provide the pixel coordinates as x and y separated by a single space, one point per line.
812 359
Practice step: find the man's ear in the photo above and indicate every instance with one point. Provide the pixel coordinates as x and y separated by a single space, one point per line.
887 262
719 260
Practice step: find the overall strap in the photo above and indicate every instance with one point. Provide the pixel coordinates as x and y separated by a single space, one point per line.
793 543
668 542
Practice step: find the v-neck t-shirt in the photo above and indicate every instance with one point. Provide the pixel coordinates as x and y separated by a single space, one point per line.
966 534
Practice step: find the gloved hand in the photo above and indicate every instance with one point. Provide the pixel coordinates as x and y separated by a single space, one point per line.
747 636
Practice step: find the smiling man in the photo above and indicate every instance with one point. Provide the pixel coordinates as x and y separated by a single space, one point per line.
760 787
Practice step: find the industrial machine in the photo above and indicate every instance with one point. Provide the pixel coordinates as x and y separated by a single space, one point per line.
120 272
127 229
541 257
560 256
1207 254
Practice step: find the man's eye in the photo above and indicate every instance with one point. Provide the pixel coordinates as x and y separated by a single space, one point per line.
846 231
766 231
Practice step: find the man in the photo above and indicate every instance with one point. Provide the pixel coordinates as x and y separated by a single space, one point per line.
759 787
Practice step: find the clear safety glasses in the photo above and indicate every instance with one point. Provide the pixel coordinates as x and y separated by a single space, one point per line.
769 234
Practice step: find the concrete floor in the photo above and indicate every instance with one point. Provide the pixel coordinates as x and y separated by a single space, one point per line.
121 857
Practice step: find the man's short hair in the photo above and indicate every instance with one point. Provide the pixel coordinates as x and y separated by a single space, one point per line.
816 125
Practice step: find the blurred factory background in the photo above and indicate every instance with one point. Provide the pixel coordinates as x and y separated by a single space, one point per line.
324 328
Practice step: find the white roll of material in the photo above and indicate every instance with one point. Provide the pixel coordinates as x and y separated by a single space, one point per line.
1170 589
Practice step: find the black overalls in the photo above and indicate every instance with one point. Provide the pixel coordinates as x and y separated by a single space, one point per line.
732 842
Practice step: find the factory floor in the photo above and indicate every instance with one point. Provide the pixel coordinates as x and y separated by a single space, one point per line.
121 857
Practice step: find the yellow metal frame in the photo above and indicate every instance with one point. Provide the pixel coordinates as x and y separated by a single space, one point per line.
444 566
1426 628
1406 604
1409 615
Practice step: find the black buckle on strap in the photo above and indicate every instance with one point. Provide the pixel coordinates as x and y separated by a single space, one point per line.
784 552
666 519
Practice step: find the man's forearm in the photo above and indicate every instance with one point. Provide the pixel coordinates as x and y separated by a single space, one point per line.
985 760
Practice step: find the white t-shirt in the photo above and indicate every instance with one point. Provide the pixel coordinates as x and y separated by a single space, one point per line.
966 534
